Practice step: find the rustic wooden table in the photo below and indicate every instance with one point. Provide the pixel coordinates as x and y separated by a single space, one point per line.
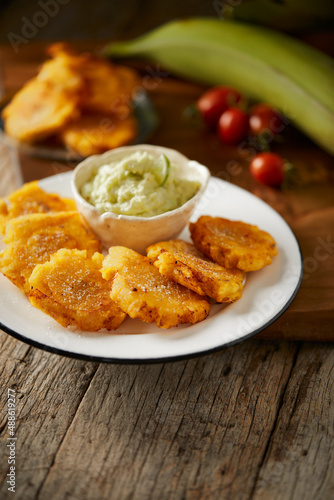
254 421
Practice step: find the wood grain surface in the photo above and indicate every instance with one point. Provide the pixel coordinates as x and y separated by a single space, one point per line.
307 205
254 421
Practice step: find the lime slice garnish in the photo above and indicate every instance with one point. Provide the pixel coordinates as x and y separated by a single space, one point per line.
165 169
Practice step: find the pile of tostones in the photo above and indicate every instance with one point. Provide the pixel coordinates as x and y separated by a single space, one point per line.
57 261
78 101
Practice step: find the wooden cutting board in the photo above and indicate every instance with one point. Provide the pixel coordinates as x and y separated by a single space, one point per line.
307 204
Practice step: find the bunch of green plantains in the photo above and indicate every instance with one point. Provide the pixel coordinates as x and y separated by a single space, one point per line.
263 63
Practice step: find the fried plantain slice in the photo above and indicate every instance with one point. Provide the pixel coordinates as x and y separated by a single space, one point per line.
142 292
109 88
62 73
103 84
183 263
39 110
94 134
29 199
32 239
4 211
68 86
233 243
71 289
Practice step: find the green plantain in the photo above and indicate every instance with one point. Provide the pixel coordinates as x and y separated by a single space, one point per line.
264 64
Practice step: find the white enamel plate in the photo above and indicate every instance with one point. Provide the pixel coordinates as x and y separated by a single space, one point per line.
267 294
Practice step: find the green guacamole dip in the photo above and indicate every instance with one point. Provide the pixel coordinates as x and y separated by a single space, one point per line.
140 185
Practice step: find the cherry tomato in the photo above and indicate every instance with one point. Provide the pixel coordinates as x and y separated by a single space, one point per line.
268 168
265 118
216 100
233 125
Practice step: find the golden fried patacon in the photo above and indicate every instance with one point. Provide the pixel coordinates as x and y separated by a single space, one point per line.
94 134
109 88
45 103
104 86
233 243
29 199
88 91
185 264
70 289
39 110
61 71
60 49
32 239
4 210
142 292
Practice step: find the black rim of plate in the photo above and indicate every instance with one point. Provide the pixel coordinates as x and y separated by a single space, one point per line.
101 359
133 361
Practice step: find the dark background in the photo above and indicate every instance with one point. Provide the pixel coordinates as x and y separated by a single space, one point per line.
97 19
104 20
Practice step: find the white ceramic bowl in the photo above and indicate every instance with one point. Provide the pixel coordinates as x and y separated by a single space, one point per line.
131 231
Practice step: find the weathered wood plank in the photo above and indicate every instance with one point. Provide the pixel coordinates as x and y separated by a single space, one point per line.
190 429
49 389
212 427
300 459
12 360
